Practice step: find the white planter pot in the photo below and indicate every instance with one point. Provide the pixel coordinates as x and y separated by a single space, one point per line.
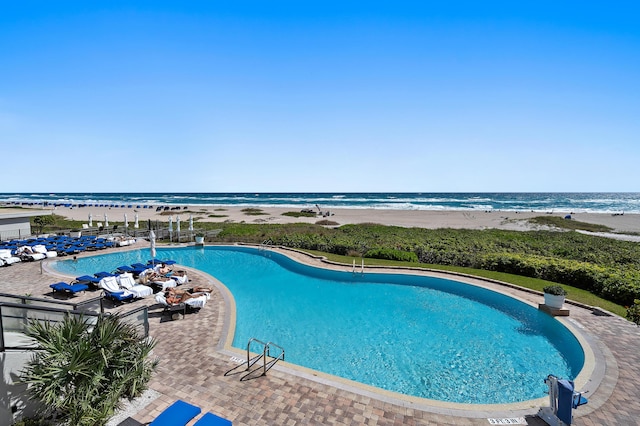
553 301
199 240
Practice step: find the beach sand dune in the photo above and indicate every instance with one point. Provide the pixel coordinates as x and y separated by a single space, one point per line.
430 219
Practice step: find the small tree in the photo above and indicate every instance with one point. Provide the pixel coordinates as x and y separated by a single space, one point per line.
82 371
41 221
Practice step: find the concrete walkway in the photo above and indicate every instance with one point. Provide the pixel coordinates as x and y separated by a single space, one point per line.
193 361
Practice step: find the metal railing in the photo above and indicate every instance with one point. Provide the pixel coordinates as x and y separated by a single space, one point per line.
15 319
90 305
251 361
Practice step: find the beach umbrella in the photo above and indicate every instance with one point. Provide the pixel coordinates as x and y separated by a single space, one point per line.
90 220
135 224
106 221
178 226
170 228
152 240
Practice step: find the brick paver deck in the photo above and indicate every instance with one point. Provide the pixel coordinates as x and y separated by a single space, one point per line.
193 361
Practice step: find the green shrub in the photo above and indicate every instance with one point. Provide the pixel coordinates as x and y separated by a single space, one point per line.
392 254
556 290
299 214
633 312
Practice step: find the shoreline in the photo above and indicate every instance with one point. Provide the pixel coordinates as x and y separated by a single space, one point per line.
429 219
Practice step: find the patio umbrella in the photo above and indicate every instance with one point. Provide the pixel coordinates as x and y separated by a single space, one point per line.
178 226
170 228
126 221
106 221
152 240
135 224
190 222
90 220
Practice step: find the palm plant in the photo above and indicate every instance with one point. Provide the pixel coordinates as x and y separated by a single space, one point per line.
83 370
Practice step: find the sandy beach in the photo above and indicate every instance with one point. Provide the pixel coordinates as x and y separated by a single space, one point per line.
430 219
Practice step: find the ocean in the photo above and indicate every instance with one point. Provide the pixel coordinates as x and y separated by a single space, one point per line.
582 202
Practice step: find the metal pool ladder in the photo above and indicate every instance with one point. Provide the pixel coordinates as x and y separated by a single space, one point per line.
268 360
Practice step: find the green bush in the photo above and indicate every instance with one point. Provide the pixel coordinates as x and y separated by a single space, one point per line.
81 371
633 312
392 254
607 282
556 290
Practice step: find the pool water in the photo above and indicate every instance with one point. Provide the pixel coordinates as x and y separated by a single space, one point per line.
421 336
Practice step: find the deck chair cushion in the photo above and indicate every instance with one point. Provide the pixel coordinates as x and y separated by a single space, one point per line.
177 414
210 419
68 288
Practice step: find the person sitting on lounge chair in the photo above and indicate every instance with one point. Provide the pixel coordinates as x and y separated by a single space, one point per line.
163 269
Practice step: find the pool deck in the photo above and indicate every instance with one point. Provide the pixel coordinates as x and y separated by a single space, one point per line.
194 357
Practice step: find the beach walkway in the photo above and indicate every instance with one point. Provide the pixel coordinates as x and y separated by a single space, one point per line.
192 368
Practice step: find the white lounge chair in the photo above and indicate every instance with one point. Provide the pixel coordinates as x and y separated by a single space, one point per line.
166 283
180 277
8 258
127 282
39 248
193 304
113 291
29 254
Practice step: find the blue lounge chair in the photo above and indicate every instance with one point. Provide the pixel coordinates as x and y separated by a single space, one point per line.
87 279
124 268
103 274
210 419
177 414
63 287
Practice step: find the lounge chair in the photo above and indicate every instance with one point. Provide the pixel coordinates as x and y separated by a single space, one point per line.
180 277
89 280
122 269
161 282
72 289
210 419
113 291
8 258
127 282
177 414
41 248
138 269
190 305
103 274
26 253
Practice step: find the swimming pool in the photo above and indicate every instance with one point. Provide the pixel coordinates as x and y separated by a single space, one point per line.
416 335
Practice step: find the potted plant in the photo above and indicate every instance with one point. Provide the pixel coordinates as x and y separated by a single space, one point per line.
554 296
199 238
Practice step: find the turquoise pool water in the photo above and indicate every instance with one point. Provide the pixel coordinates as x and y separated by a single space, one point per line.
421 336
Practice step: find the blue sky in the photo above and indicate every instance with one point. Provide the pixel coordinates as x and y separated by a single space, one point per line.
301 96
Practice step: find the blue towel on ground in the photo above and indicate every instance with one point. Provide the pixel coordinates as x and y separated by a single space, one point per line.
565 400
